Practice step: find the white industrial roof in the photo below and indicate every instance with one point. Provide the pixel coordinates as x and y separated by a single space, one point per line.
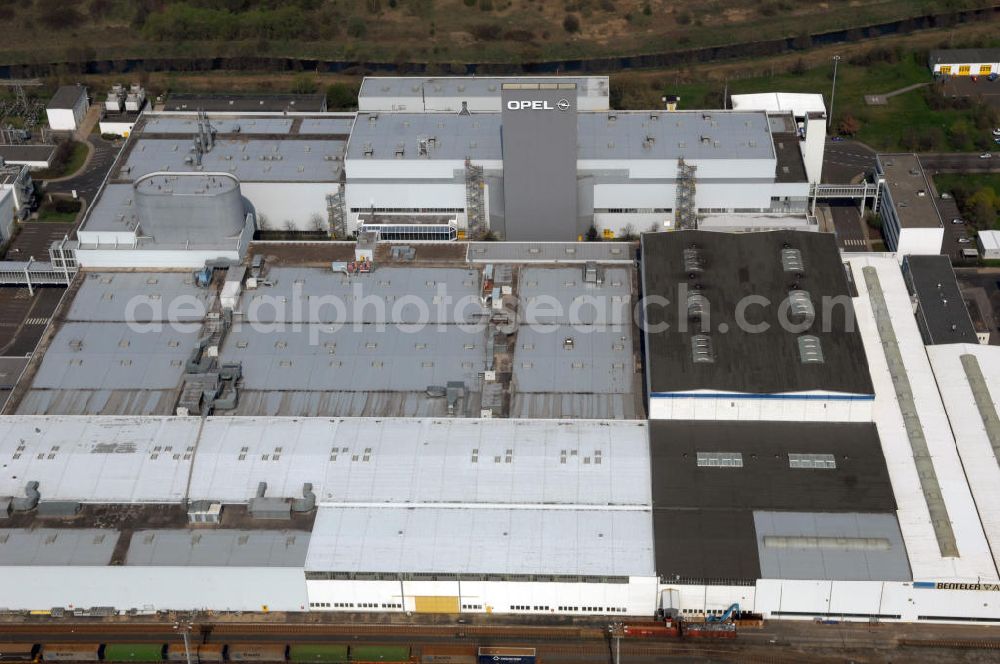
990 240
982 466
97 459
470 86
926 562
482 541
798 103
425 460
349 461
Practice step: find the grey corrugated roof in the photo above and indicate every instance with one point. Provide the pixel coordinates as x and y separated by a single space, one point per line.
837 547
748 360
98 402
314 358
551 252
560 295
250 160
455 136
109 296
112 356
218 548
617 135
691 135
331 125
371 298
264 103
170 124
599 360
456 86
66 97
56 546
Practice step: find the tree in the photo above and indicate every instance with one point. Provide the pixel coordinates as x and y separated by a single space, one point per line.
304 84
571 23
341 97
848 125
356 27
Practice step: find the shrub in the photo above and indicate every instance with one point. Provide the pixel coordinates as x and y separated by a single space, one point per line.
571 23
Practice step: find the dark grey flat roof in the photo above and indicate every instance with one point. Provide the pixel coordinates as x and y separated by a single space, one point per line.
766 481
790 167
694 544
956 56
909 189
267 103
13 154
946 319
67 96
734 266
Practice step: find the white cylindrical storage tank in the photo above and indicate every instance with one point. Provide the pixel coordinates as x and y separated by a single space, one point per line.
177 208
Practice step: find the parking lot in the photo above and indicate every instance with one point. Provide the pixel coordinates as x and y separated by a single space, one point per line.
983 286
23 317
34 239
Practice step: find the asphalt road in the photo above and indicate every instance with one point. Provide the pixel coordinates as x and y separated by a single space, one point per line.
961 162
848 226
845 161
23 317
87 183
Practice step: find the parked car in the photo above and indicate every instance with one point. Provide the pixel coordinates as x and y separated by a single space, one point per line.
996 132
958 221
945 195
986 155
964 240
837 139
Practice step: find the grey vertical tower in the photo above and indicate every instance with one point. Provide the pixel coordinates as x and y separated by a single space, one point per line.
539 161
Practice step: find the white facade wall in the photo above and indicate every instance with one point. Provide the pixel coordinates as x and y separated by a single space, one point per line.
6 215
919 241
637 597
117 128
762 408
152 258
843 600
974 68
292 205
154 588
637 222
68 119
813 148
989 244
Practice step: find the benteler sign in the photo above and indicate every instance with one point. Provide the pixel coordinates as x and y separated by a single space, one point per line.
538 105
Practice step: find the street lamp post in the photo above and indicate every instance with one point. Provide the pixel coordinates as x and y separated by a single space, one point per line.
833 92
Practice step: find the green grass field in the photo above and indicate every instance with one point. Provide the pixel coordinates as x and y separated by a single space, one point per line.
885 128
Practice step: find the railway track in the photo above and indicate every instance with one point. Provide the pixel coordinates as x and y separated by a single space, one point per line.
965 644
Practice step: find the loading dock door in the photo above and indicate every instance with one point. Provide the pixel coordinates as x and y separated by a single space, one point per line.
436 604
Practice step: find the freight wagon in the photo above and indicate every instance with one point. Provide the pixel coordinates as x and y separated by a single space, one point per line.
208 653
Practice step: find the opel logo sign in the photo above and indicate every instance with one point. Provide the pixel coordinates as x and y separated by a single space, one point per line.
563 104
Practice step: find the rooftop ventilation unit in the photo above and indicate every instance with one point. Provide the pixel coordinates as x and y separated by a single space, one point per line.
693 262
701 349
801 304
791 260
810 349
697 305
